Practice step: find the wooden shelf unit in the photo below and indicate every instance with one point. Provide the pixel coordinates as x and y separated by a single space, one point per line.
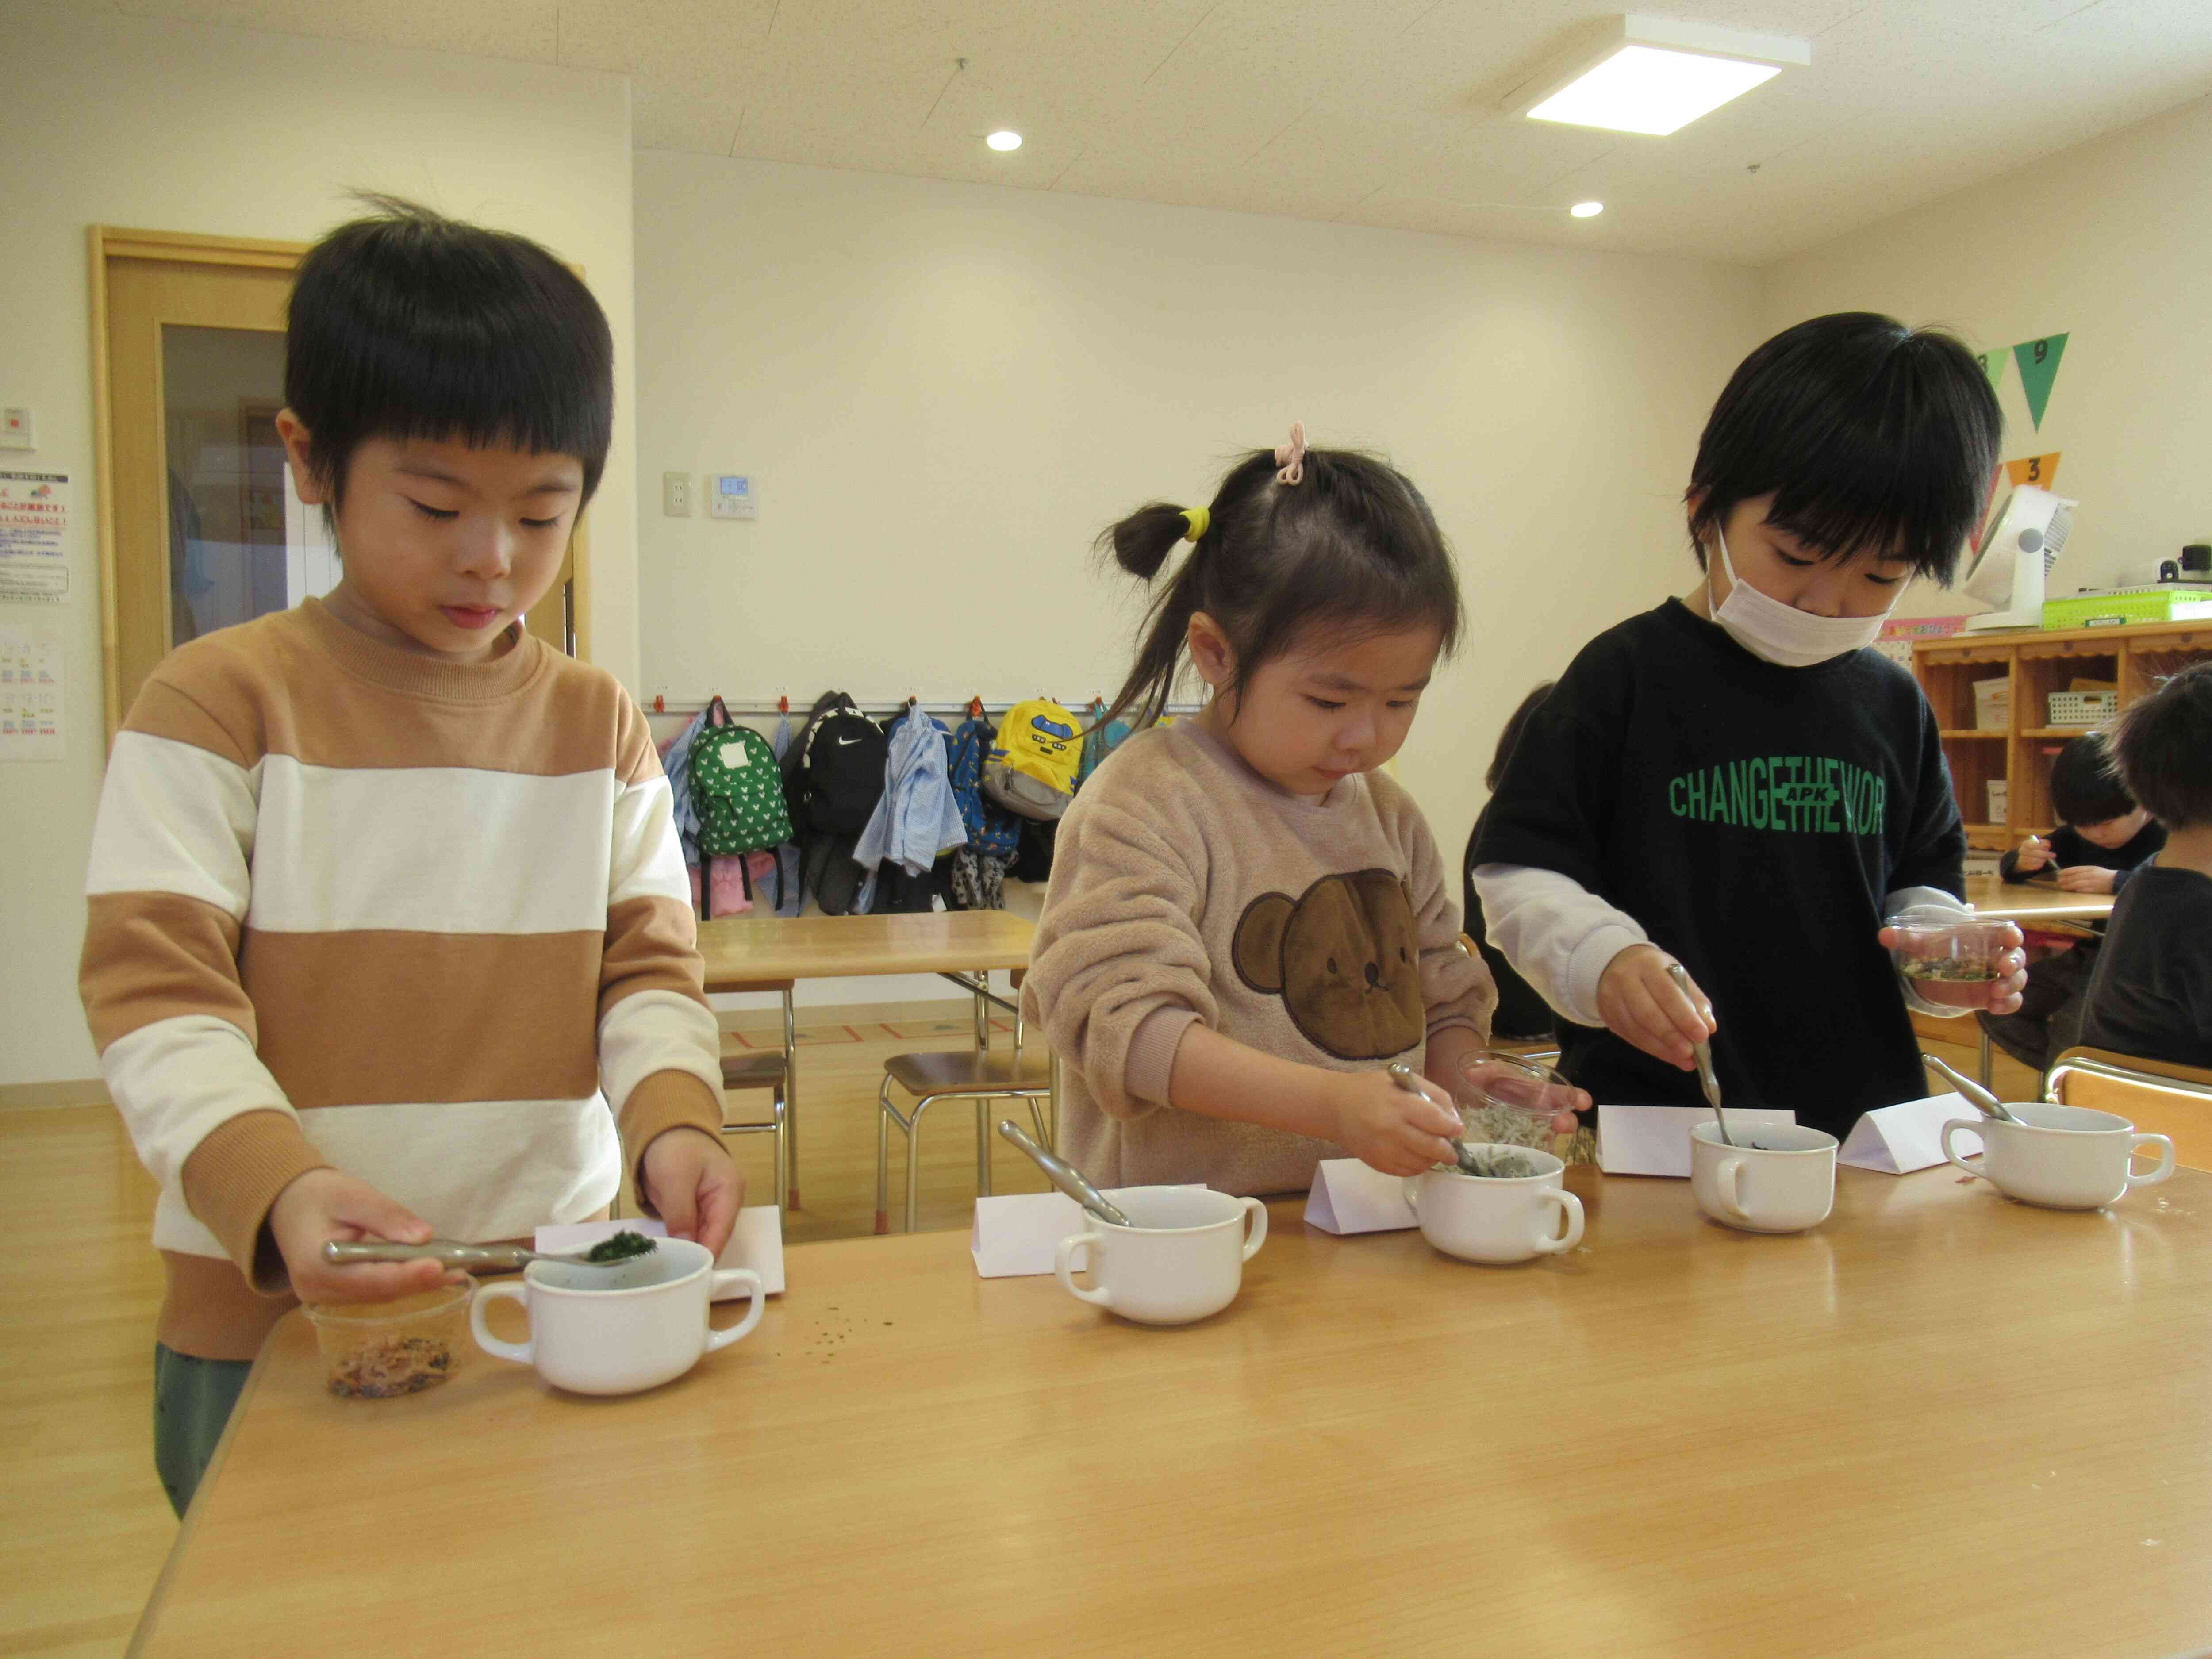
2135 658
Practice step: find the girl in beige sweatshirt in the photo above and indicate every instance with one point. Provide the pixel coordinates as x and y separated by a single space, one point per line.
1248 920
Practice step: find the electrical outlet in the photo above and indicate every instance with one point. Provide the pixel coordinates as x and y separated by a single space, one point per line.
15 430
675 495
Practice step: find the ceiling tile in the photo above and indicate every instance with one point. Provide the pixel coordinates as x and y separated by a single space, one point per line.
515 29
1368 111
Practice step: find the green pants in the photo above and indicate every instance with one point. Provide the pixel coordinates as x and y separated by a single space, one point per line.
192 1400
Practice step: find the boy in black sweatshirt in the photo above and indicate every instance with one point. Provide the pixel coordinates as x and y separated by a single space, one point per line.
2102 835
2151 995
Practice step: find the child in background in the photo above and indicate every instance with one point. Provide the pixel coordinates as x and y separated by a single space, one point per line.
386 904
1520 1011
2102 836
2151 996
1733 780
1248 920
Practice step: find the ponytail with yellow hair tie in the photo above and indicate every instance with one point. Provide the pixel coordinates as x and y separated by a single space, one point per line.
1198 518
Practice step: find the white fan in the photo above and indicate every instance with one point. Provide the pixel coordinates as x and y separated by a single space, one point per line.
2017 555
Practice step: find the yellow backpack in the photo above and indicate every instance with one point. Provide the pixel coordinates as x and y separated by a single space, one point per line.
1031 770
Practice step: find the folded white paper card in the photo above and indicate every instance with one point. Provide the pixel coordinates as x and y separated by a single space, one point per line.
757 1241
1655 1140
1349 1197
1015 1235
1898 1140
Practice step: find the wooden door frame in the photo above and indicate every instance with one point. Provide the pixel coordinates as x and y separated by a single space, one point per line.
256 253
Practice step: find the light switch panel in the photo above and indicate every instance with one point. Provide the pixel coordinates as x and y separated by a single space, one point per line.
730 496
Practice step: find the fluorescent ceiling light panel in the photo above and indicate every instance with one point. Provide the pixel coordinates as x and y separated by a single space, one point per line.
1646 75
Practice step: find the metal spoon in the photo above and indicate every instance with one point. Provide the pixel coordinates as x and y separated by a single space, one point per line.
1065 1176
1977 1097
457 1255
1403 1076
1707 1078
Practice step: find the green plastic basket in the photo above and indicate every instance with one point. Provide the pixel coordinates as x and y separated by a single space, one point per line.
2161 605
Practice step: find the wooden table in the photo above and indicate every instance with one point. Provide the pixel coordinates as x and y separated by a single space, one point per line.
2029 902
1940 1424
770 954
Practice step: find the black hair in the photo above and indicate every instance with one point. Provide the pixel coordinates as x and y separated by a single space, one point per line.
2164 747
408 325
1869 435
2086 786
1352 545
1510 738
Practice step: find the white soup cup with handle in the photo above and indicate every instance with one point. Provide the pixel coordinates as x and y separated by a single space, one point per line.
619 1329
1498 1220
1183 1260
2061 1158
1776 1178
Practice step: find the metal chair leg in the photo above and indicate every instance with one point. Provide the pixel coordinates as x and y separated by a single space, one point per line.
883 1158
913 1161
983 1145
791 1101
782 1110
914 1156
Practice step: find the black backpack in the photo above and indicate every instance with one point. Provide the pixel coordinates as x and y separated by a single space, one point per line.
832 773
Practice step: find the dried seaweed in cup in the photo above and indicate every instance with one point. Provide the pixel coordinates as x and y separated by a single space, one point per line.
621 1247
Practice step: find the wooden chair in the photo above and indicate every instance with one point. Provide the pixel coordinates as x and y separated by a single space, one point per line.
2174 1101
973 1074
770 1071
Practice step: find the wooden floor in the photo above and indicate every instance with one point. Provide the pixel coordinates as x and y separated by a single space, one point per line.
87 1525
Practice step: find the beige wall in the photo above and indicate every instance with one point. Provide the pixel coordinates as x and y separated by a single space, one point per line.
2110 244
943 390
184 127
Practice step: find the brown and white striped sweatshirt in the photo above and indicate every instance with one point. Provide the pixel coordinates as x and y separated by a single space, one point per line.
356 907
1187 888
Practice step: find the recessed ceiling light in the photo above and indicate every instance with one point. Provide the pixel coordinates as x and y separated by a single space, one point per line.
1646 75
1003 140
1587 209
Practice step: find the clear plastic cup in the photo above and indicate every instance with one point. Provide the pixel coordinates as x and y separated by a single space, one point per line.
378 1350
1509 1101
1949 961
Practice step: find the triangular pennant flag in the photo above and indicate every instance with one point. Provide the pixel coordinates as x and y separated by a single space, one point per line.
1993 364
2038 367
2041 471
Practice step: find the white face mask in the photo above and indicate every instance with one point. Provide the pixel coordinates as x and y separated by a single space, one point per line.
1781 633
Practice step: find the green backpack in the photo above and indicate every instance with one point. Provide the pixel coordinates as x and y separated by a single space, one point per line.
736 788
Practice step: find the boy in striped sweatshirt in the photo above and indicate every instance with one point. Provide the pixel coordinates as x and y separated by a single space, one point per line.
386 904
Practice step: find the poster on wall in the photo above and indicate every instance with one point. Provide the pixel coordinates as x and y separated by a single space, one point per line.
34 537
30 691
